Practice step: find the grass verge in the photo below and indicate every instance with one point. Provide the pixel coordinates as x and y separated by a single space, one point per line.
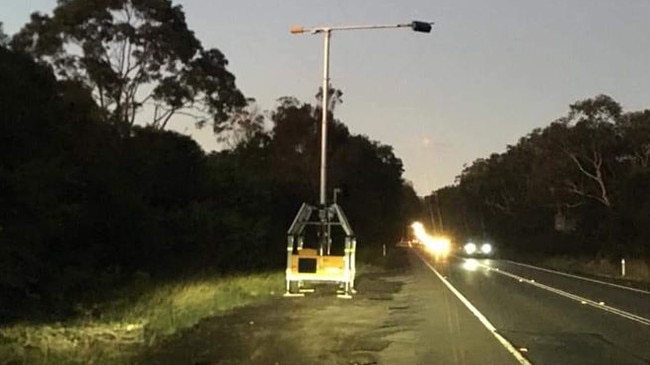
140 316
635 269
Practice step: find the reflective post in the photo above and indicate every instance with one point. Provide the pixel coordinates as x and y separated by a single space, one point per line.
622 267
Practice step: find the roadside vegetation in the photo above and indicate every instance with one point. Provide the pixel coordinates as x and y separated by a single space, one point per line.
579 188
635 269
141 315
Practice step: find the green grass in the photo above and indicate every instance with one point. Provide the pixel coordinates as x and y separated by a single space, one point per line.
139 316
371 256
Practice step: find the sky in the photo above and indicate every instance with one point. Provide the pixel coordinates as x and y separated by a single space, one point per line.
488 73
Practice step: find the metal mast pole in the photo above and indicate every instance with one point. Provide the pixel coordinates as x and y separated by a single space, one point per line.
325 102
324 224
417 26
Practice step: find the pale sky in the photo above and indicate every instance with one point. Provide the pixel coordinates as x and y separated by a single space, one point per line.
489 72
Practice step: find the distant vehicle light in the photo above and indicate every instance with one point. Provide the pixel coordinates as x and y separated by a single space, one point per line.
437 245
470 248
417 227
486 248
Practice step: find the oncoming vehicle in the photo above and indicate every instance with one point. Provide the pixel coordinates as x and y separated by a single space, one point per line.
437 245
478 248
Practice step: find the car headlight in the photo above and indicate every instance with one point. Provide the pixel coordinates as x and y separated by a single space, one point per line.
470 248
486 248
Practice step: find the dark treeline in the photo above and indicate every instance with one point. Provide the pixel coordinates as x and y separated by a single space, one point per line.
90 200
579 186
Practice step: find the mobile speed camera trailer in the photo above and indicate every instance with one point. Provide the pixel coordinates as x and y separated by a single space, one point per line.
318 265
308 264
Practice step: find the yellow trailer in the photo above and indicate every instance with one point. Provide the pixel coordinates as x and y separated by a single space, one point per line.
306 265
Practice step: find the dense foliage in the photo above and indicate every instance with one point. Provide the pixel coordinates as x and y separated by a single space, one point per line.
132 54
578 186
86 206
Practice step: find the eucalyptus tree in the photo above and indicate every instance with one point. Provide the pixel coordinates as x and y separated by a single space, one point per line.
132 54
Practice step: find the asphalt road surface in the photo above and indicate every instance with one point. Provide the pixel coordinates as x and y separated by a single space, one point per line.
419 311
556 318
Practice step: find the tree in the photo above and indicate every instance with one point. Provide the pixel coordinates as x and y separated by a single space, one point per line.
295 147
591 145
84 206
40 185
334 98
244 126
580 185
634 129
132 54
371 176
4 39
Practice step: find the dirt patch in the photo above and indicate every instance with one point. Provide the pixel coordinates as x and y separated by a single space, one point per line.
316 329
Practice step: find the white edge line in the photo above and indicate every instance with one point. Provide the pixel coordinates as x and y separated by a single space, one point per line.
577 298
520 358
579 277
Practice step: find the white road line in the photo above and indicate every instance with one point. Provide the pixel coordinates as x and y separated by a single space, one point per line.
577 298
520 358
580 277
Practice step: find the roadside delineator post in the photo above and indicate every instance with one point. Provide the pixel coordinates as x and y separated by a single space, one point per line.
622 267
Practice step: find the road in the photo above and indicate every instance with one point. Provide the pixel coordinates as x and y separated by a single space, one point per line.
555 318
418 311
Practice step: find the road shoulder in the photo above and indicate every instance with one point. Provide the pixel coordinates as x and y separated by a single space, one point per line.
402 314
